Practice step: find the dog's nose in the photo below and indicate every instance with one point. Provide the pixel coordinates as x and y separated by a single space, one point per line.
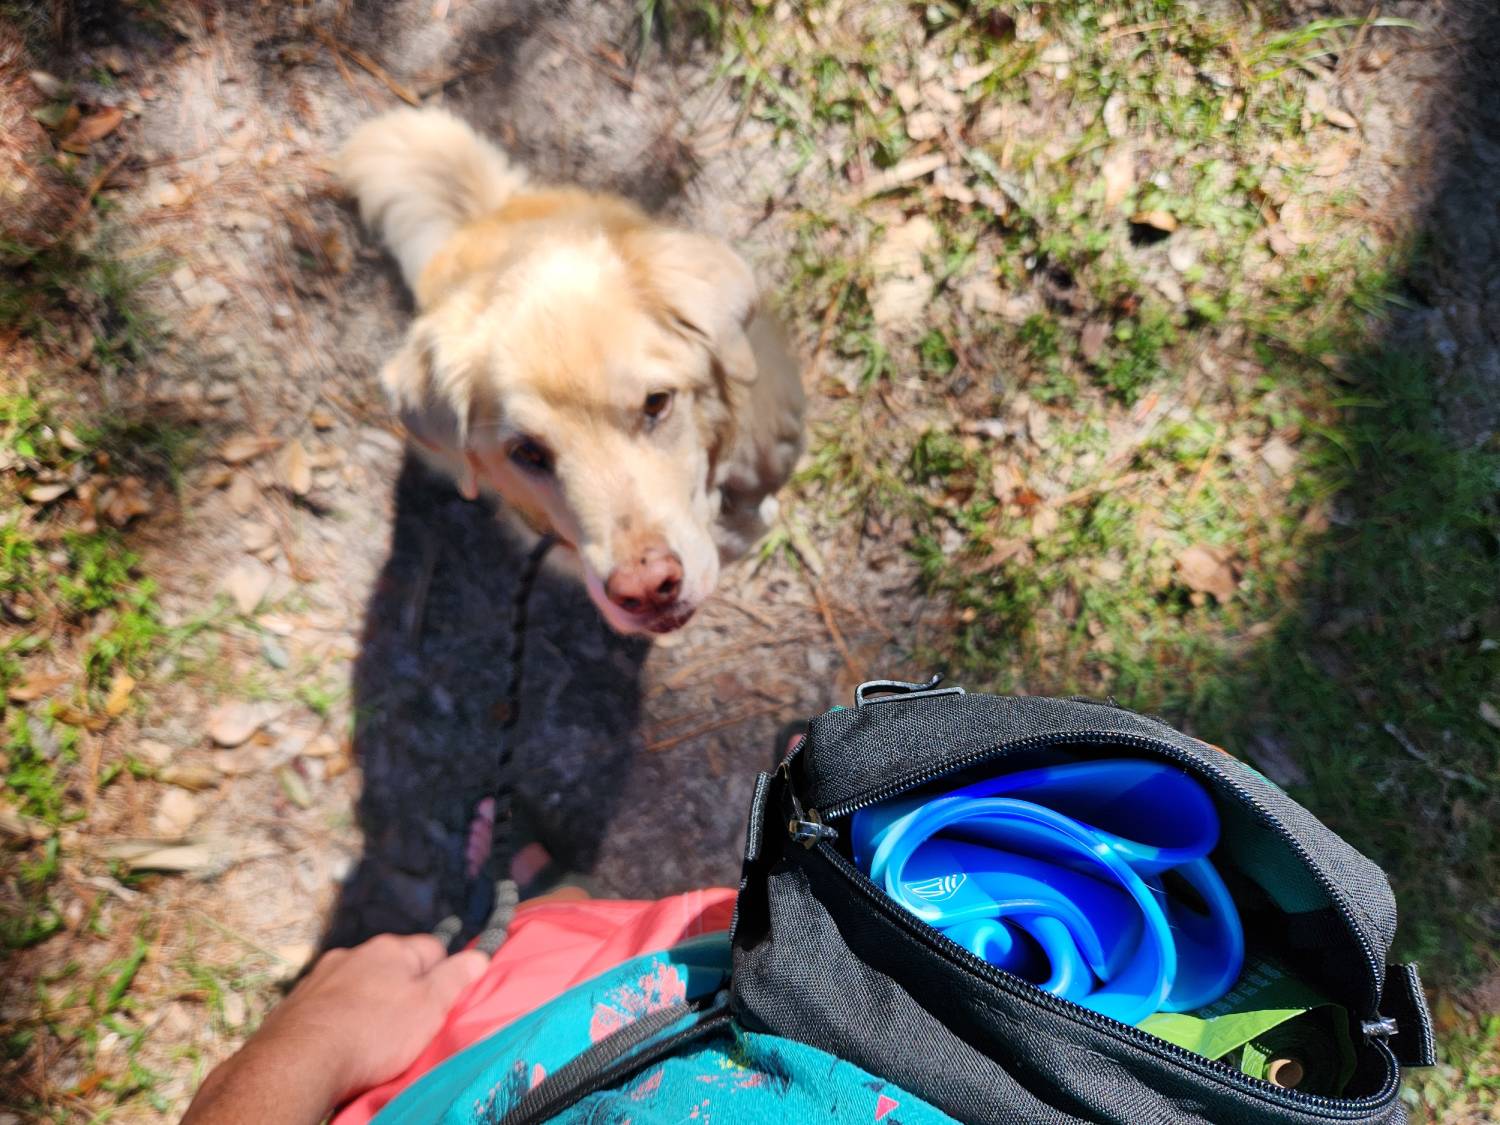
649 584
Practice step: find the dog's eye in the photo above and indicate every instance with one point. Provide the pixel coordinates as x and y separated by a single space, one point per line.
532 455
657 406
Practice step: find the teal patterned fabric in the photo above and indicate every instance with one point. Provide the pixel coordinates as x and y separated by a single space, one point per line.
734 1077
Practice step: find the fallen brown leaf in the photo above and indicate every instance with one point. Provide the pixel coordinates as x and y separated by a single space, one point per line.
1001 552
242 493
1091 340
152 752
202 856
247 585
338 765
913 168
35 687
94 127
296 472
76 717
294 787
232 724
1005 481
1279 456
1334 159
924 125
48 85
19 826
114 58
61 119
188 776
1157 220
246 447
1296 222
175 813
256 536
336 250
1044 522
1281 244
119 694
1207 570
46 493
127 500
901 295
1118 173
322 746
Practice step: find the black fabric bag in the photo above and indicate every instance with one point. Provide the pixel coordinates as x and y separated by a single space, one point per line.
823 956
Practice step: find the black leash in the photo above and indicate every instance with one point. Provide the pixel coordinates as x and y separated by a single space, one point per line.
492 896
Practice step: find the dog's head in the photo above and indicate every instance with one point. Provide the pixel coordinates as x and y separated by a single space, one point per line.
592 380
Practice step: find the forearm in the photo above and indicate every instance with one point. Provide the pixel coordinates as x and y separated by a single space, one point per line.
276 1082
357 1019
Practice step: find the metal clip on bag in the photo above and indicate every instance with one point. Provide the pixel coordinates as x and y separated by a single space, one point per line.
824 956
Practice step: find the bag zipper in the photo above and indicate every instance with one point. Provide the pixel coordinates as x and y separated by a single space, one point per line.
1375 972
1027 992
816 833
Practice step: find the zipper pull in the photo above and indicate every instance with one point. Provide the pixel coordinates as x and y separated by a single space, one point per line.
1381 1027
809 829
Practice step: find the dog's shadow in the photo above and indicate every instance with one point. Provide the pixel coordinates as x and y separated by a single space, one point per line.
430 695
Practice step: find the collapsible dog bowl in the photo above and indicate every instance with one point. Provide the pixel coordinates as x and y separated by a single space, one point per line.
1090 879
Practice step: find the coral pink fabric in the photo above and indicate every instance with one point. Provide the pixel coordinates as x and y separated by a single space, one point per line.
551 947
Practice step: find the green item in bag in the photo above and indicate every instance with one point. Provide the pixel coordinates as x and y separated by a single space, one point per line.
1272 1026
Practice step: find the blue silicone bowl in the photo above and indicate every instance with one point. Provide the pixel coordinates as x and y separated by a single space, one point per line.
1091 879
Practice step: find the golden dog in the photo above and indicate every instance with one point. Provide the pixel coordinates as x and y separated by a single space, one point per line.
608 375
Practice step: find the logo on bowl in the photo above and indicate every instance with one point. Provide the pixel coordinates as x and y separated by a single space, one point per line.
940 889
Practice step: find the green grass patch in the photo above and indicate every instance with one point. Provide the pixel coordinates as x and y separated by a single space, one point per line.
1354 629
1377 684
45 292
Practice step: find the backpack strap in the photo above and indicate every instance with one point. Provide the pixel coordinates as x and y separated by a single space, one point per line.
618 1056
1408 1029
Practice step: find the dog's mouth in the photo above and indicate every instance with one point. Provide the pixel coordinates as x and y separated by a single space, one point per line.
670 620
659 621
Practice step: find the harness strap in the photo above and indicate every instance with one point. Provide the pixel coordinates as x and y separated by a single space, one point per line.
492 896
617 1057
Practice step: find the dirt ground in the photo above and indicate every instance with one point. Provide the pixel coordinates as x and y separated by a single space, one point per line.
633 762
368 668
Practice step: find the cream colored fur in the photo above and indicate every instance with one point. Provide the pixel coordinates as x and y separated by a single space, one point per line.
419 175
546 317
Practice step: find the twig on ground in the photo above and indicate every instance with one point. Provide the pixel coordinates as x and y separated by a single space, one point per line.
1136 29
624 81
834 631
1110 485
709 728
367 64
93 188
913 168
830 317
1348 58
750 611
1426 759
1203 467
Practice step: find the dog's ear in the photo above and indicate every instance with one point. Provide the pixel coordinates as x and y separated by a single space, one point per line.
434 402
707 291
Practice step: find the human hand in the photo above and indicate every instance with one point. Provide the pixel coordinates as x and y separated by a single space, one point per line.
370 1010
360 1017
